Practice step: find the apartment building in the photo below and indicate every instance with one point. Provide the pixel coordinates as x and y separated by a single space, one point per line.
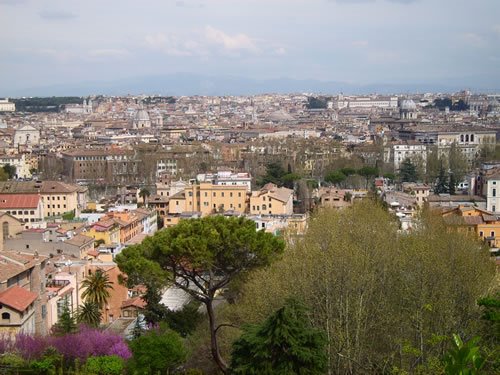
57 197
271 200
208 198
493 193
22 293
10 228
27 208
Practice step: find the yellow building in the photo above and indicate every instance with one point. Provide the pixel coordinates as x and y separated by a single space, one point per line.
271 200
105 231
472 219
207 198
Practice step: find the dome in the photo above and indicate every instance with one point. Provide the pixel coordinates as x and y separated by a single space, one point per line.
408 105
141 115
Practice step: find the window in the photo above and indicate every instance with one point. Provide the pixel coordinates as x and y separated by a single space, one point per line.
481 234
239 194
493 208
231 195
6 316
32 212
492 234
5 229
494 192
222 194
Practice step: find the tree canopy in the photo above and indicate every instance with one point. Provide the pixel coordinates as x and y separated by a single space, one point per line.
201 257
385 300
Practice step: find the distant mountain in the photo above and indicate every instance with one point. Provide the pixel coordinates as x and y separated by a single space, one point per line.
195 84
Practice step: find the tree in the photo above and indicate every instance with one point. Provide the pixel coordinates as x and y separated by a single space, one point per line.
441 185
202 257
335 177
144 194
408 171
158 351
457 162
285 343
274 174
66 323
89 314
105 365
368 173
384 300
3 175
452 184
10 170
97 287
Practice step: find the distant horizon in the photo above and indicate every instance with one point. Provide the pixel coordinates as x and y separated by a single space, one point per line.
192 84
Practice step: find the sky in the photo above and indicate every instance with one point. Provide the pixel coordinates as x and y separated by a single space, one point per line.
48 42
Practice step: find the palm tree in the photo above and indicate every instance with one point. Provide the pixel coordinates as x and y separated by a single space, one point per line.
97 288
89 314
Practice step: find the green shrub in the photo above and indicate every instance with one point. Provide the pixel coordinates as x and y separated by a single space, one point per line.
105 365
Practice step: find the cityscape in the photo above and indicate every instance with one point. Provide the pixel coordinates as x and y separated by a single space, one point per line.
200 220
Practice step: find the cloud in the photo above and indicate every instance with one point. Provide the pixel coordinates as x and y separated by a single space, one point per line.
280 51
473 39
230 43
108 53
174 45
185 4
360 43
56 15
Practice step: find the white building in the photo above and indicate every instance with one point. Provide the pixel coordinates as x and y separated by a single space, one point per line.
19 161
416 152
493 193
141 120
227 178
26 136
6 106
366 102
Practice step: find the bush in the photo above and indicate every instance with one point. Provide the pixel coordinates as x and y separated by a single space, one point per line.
158 351
105 365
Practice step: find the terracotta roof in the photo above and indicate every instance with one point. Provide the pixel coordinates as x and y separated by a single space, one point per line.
79 240
17 298
44 187
19 201
136 302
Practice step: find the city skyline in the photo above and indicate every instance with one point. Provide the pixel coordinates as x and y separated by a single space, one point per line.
406 43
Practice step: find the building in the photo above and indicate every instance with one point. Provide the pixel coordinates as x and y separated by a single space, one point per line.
412 150
208 198
22 293
271 200
366 102
58 197
141 120
493 193
227 178
6 106
10 228
27 208
26 136
21 162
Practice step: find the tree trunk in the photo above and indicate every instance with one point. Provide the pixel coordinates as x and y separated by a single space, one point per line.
213 337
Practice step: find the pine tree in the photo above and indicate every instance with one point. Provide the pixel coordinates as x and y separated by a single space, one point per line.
284 344
452 184
66 323
442 182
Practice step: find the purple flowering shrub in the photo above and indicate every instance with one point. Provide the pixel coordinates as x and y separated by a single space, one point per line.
85 343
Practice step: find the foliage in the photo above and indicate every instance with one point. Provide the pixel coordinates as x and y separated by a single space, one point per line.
184 321
70 215
157 351
284 344
12 360
47 104
408 171
144 193
316 103
463 358
66 323
10 170
380 296
105 365
90 342
201 257
89 314
441 185
97 286
457 162
3 175
335 177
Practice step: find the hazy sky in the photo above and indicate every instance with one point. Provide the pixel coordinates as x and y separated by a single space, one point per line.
46 42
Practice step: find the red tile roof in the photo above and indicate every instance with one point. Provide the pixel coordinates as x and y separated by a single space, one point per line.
19 201
17 298
135 301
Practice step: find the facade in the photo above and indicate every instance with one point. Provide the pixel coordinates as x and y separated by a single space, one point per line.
227 178
366 102
271 200
22 293
22 163
208 198
414 151
26 136
10 228
6 106
58 197
493 193
27 208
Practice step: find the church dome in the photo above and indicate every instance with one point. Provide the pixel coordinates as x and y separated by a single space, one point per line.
142 115
408 105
